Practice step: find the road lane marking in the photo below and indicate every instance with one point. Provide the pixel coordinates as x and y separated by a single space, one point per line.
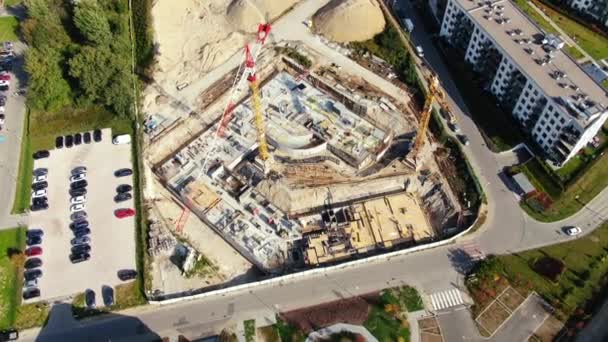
446 299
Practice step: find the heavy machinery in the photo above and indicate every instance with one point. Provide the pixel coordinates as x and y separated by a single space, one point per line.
434 94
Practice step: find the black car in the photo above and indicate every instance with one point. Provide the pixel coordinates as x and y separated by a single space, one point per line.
40 185
38 207
40 200
97 135
123 172
121 197
30 233
79 184
41 171
123 188
78 192
32 274
86 137
78 170
108 295
81 249
31 293
76 258
79 224
9 335
77 139
59 142
69 141
79 215
41 154
80 232
89 299
125 275
32 263
4 88
34 240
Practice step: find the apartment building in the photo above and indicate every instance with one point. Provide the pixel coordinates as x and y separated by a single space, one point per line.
547 92
597 9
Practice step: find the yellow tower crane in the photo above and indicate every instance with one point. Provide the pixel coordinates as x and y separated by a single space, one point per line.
434 93
259 119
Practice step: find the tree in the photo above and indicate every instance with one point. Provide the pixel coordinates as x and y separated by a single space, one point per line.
37 9
92 69
48 89
92 22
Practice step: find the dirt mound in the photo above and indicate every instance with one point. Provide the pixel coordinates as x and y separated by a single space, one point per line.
245 15
349 20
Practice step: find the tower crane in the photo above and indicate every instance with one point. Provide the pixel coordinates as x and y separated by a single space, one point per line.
434 94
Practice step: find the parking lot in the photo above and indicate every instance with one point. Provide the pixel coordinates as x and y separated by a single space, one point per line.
112 239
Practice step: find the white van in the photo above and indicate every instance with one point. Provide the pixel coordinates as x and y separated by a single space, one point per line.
121 139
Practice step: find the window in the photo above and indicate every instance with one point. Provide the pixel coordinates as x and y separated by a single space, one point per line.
562 120
526 94
542 122
550 109
544 135
550 141
530 86
535 92
552 122
528 107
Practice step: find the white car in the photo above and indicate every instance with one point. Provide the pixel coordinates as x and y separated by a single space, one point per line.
4 83
39 178
30 283
78 199
39 193
573 231
77 207
77 177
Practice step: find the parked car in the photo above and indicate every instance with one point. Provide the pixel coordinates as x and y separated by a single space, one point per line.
79 184
81 232
9 335
107 293
32 274
123 188
33 251
125 212
40 200
30 283
89 299
78 192
40 185
32 263
454 127
572 231
41 154
39 178
38 207
78 199
79 224
41 171
76 258
79 215
81 249
69 141
463 139
31 293
39 193
34 240
79 170
30 233
78 177
86 137
121 197
125 275
419 51
77 207
123 172
83 240
59 142
97 135
77 139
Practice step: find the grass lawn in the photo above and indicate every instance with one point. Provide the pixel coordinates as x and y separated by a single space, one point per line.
605 83
249 326
8 29
593 43
40 131
32 315
10 270
385 327
288 332
574 52
533 14
585 188
586 265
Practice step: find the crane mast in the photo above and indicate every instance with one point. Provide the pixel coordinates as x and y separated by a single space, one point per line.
434 93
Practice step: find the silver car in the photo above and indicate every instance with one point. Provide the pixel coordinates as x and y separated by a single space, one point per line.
80 241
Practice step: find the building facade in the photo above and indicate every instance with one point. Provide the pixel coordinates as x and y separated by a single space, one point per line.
597 9
554 100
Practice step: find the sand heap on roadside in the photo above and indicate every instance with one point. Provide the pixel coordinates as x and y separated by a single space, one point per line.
245 15
349 20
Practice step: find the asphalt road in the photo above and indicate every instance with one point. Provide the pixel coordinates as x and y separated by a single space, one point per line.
507 229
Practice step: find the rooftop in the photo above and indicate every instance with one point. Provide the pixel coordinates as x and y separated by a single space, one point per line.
550 68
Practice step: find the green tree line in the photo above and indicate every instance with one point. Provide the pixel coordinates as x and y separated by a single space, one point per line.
79 55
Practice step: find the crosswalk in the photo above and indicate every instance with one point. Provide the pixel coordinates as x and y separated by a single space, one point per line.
446 299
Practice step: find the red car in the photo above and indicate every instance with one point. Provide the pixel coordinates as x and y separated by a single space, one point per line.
32 251
5 77
125 212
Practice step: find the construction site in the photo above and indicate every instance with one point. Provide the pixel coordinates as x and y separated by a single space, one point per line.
280 166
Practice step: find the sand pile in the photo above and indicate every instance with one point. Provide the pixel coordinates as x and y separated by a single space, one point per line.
349 20
245 15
